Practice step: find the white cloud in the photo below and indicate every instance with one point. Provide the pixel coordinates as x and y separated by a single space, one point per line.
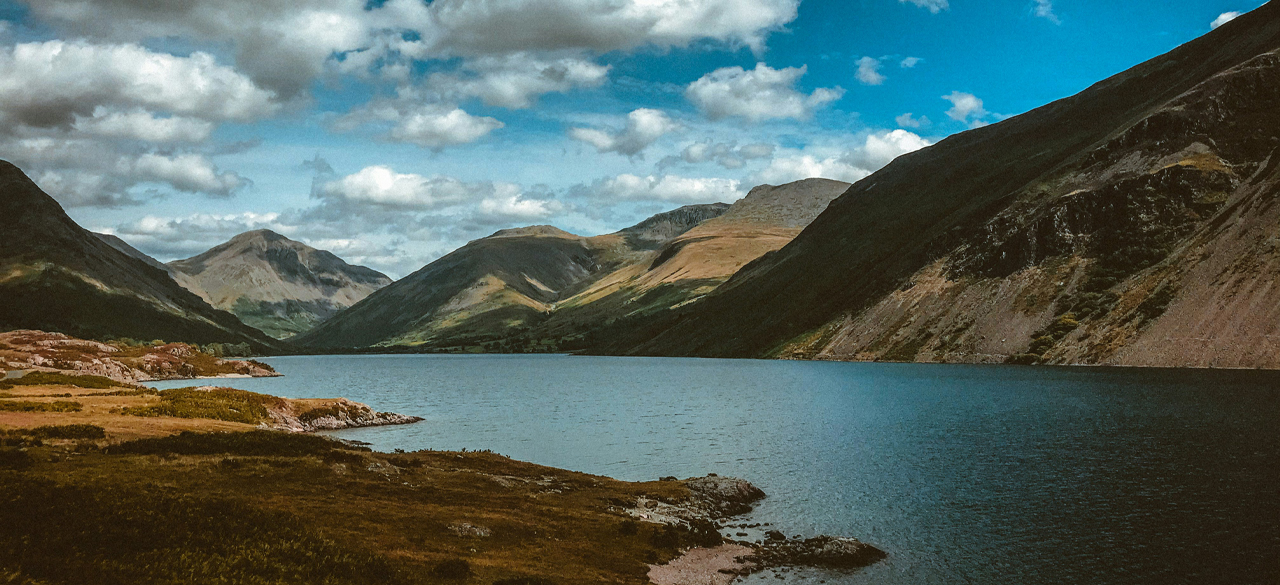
869 71
380 186
876 151
669 188
759 94
511 206
910 62
428 125
143 125
1224 18
727 155
966 107
187 172
1044 9
179 237
907 120
934 6
434 127
514 81
644 127
471 27
48 84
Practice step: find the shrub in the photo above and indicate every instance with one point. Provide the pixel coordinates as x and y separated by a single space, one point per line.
452 569
249 443
28 406
69 432
15 459
58 379
217 404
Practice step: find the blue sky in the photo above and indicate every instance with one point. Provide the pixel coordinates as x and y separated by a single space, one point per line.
393 131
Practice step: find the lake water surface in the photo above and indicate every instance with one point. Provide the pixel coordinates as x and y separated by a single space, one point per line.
964 474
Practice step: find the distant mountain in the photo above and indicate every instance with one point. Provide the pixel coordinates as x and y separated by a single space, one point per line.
278 285
498 287
57 276
1133 223
543 289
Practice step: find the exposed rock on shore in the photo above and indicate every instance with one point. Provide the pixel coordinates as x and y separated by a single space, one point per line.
56 352
714 498
304 416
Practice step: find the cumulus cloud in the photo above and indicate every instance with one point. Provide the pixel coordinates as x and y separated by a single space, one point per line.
428 125
876 151
644 127
869 71
192 173
169 238
967 108
470 27
1224 18
934 6
667 188
759 94
382 187
49 84
1044 9
725 154
907 120
515 81
143 125
509 205
909 62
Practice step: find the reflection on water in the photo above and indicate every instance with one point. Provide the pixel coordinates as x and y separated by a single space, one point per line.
964 474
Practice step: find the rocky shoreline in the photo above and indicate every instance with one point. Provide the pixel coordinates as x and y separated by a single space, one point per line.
715 500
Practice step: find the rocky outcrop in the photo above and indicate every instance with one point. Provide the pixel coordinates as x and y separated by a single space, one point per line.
304 416
57 352
714 499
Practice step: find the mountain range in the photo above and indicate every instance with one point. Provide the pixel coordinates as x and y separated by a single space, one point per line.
1130 224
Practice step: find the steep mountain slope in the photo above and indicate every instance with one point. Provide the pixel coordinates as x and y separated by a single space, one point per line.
57 276
273 283
183 279
1132 223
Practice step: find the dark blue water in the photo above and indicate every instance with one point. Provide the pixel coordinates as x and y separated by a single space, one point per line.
964 474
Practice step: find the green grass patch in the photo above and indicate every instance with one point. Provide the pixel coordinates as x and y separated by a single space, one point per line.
217 404
29 406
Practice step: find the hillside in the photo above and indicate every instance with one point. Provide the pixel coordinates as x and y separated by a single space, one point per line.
1130 224
273 283
496 287
57 276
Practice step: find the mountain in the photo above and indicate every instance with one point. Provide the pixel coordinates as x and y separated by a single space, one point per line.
278 285
499 286
57 276
1133 223
182 279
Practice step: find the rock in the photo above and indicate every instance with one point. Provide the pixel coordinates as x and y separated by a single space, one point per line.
820 551
727 496
468 530
775 535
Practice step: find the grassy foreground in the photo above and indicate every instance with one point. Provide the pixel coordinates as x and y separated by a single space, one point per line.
102 496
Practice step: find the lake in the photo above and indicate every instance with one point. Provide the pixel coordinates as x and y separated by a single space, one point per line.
963 474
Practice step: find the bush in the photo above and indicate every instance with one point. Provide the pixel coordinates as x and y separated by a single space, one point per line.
217 404
249 443
28 406
68 432
14 459
524 581
452 569
57 379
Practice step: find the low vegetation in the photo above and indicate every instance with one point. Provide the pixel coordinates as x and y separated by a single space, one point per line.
59 379
216 403
32 406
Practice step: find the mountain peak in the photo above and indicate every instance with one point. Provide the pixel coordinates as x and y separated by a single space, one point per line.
545 231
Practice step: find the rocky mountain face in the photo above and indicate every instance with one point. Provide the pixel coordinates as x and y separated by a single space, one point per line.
57 276
1131 224
278 285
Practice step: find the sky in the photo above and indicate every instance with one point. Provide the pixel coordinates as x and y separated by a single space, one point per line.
391 132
